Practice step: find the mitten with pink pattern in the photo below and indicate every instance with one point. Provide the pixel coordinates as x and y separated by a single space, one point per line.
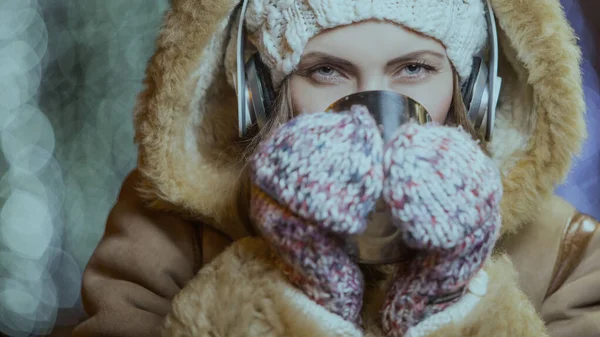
315 181
444 195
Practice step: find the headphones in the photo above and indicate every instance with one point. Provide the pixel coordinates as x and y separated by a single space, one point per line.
480 92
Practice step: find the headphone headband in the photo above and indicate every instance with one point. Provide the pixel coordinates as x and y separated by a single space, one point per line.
494 81
244 118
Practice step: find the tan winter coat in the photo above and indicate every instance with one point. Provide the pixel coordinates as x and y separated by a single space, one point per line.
154 271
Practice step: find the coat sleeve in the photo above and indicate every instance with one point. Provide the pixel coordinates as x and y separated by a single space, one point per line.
241 293
573 309
141 262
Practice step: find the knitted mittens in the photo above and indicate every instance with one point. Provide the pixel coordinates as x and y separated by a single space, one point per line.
315 181
444 194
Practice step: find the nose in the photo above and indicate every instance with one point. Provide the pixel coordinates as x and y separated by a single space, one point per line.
372 82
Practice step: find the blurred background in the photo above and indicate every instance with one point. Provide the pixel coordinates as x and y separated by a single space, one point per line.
69 74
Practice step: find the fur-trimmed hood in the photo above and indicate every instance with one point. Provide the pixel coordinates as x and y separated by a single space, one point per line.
186 118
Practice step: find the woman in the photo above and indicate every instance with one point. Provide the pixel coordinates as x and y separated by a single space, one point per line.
190 163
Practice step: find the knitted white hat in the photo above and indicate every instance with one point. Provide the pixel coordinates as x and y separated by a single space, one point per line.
280 29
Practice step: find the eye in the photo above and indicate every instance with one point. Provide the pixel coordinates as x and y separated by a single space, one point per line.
413 69
325 71
326 75
416 71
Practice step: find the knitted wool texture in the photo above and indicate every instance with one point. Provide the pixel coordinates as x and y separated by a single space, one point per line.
280 29
444 195
315 180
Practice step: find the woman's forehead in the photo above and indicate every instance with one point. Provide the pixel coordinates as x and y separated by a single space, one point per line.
372 39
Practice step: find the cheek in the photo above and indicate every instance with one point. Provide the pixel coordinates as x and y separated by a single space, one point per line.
438 107
308 98
435 96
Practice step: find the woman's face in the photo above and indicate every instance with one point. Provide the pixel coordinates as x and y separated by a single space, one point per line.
373 55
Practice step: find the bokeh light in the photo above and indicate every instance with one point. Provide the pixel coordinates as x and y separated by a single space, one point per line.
69 75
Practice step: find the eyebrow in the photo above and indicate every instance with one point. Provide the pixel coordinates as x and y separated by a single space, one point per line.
319 57
416 54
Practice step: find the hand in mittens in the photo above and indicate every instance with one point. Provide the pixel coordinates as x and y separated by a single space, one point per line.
444 195
315 181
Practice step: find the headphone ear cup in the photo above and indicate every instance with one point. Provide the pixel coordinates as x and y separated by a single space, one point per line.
259 87
266 84
469 86
475 94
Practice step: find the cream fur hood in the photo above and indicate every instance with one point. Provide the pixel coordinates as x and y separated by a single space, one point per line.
186 118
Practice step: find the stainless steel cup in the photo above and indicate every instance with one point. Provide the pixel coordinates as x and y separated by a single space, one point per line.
380 243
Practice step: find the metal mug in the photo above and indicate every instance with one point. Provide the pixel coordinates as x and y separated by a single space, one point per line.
381 242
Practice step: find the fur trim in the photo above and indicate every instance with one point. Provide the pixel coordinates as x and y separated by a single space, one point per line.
186 120
540 123
242 293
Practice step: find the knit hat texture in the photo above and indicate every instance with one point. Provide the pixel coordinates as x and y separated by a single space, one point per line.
280 29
